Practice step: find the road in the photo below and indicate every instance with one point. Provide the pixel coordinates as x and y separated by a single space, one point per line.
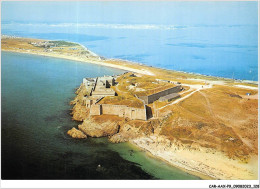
192 87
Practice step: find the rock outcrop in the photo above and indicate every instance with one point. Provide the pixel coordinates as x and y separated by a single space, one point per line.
75 133
79 112
131 130
126 133
94 129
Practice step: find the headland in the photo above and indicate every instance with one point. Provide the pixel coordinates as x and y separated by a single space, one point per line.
206 125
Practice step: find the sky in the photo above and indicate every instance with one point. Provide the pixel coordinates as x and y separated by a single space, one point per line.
118 12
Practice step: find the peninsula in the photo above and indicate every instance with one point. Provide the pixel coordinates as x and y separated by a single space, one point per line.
203 124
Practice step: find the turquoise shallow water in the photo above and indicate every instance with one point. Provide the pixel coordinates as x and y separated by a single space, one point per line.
35 97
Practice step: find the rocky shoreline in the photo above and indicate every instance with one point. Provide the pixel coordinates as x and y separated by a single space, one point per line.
75 133
204 162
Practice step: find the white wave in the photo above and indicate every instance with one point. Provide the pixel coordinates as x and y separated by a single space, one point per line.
125 26
117 26
105 26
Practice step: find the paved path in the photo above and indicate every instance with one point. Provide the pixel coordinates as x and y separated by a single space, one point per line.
246 87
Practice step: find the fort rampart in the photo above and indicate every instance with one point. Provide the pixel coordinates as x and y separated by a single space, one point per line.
153 97
119 110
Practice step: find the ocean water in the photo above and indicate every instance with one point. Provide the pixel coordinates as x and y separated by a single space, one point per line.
224 50
35 116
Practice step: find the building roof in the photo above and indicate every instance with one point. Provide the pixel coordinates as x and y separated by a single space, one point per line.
106 78
169 96
90 79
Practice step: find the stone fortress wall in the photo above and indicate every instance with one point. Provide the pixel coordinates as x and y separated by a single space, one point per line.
100 86
103 93
153 97
119 110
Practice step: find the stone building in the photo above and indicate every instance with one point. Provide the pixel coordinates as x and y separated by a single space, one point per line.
107 81
169 97
153 97
119 110
89 82
100 86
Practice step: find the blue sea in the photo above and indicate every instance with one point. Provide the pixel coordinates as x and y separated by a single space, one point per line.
35 117
223 50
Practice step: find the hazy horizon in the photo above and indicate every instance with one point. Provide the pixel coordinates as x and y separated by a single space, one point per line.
173 13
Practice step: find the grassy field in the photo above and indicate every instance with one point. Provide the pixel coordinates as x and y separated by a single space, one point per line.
64 44
216 118
141 85
122 100
37 46
19 43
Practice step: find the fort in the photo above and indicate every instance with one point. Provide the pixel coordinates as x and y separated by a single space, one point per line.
165 93
101 87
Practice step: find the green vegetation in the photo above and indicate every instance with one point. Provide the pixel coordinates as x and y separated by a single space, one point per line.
64 43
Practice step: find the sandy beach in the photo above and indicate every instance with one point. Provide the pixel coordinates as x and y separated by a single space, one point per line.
205 163
84 60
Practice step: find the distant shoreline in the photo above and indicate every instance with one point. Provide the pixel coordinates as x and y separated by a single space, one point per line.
119 63
83 61
125 68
